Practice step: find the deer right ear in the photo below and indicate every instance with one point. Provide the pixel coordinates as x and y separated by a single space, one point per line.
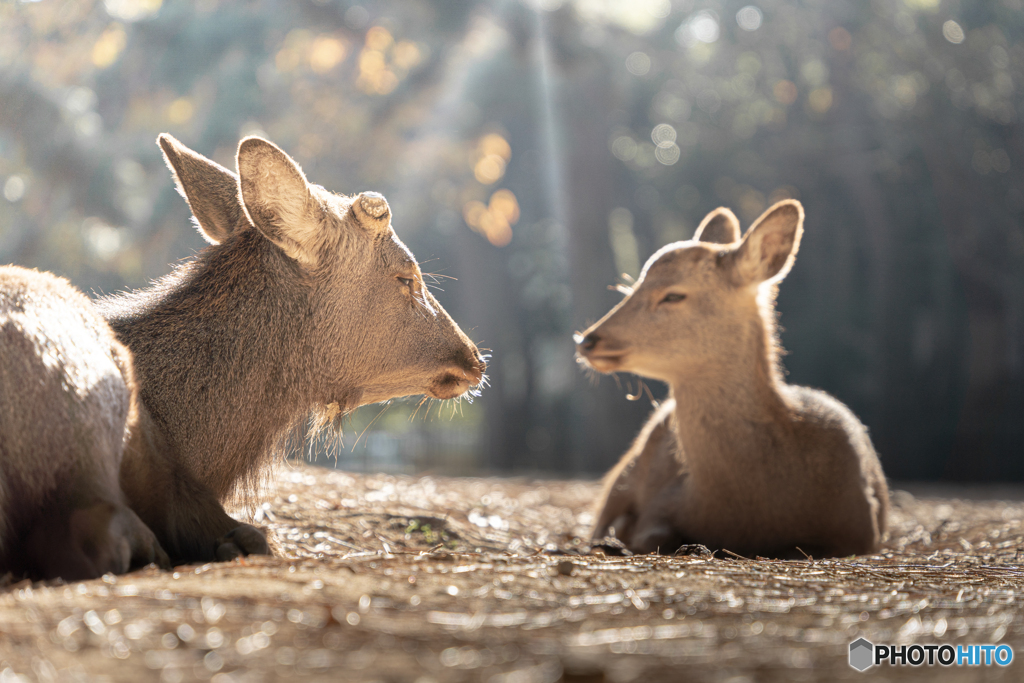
769 247
277 198
210 189
720 227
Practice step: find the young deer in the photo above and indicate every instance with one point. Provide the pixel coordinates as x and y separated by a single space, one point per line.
736 458
67 404
305 301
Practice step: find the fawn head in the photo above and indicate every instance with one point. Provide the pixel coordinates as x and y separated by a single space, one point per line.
696 303
367 327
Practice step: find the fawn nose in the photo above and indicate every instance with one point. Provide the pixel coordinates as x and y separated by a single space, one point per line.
481 364
589 342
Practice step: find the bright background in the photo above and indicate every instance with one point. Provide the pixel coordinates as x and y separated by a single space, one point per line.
536 150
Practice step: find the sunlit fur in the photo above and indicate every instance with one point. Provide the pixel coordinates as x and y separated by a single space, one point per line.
735 458
67 402
305 301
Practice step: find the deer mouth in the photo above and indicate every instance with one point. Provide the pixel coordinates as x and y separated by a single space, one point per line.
602 361
455 381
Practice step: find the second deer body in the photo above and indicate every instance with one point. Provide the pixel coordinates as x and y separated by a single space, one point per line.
736 458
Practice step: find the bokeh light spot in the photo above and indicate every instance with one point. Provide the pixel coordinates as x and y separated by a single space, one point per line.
623 147
702 27
407 55
638 63
494 143
494 220
108 46
132 10
840 39
180 110
505 204
327 52
785 92
489 169
820 100
663 135
667 154
749 18
814 72
378 38
952 32
14 188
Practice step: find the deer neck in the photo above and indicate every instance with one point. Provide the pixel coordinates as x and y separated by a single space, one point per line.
724 412
215 348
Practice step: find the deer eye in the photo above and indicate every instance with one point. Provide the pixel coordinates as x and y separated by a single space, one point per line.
672 297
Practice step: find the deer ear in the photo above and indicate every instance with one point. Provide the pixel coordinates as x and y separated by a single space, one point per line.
371 211
720 227
769 247
277 198
210 189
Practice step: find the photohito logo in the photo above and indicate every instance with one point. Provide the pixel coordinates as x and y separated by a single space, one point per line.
865 654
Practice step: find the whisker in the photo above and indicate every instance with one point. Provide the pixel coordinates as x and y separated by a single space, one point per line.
437 275
639 390
418 406
370 424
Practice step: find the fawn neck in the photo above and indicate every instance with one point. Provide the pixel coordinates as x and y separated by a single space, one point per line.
723 412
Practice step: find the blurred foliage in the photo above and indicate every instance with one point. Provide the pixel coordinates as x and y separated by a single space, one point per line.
533 150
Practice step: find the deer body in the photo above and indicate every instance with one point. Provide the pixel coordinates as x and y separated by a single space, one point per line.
305 301
736 458
67 403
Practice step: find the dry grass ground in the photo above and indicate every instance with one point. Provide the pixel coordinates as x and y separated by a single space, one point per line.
385 578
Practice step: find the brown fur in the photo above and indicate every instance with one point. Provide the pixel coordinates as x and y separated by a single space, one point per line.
66 407
735 458
305 301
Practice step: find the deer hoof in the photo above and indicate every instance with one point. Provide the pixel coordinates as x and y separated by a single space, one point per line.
244 539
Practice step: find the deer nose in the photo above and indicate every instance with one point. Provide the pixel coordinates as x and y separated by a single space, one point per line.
589 342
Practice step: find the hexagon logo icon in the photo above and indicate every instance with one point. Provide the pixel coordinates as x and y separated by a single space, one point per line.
862 654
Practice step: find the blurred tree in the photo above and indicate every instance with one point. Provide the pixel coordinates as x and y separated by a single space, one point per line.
535 151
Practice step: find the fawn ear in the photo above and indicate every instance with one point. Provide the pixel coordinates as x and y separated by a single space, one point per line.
277 198
371 211
210 189
720 226
769 247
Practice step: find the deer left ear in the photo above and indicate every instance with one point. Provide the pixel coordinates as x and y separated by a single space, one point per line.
277 198
769 248
719 227
210 190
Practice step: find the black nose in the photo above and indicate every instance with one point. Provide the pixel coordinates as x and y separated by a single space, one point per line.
590 341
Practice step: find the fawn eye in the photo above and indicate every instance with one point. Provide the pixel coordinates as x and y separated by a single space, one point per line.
672 297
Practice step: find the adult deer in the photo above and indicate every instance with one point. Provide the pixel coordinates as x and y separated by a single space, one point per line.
304 301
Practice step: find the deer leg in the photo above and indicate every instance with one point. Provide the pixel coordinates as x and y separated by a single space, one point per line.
89 541
185 515
144 548
656 530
